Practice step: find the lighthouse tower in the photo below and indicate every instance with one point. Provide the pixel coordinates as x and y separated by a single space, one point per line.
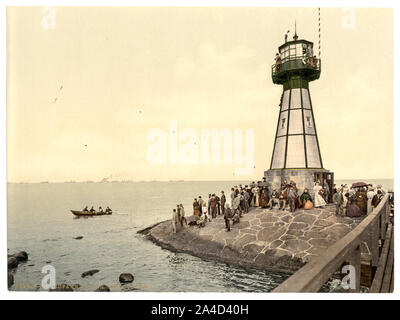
296 154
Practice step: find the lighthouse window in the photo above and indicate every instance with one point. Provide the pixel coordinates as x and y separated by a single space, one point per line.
308 122
293 50
282 124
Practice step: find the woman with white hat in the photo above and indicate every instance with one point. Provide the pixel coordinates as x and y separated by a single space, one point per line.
318 200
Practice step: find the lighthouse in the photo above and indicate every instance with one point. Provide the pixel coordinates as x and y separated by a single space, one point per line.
296 155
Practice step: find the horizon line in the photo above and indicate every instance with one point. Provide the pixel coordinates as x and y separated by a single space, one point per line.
166 180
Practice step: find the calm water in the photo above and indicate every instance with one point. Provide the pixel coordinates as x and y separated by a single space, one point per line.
39 222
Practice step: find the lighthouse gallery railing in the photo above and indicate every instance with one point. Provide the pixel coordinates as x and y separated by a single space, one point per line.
314 274
296 62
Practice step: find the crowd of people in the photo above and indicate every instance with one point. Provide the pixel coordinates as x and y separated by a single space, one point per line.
357 200
93 210
351 202
241 199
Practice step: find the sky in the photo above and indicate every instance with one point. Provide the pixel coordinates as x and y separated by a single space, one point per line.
88 88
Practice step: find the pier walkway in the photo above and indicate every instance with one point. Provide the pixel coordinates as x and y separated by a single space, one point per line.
374 230
264 239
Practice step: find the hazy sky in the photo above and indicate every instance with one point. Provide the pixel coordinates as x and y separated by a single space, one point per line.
127 71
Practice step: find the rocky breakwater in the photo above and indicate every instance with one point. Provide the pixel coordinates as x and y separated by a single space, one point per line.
12 263
265 239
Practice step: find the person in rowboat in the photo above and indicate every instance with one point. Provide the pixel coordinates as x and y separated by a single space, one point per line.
101 209
108 209
85 209
92 209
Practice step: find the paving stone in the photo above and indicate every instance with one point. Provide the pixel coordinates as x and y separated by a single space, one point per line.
287 218
250 251
275 244
243 240
338 231
267 224
295 245
306 218
255 222
323 223
268 218
294 232
298 225
325 215
288 237
279 224
316 234
321 243
270 234
241 225
249 231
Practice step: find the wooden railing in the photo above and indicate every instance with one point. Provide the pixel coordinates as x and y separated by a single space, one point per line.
347 251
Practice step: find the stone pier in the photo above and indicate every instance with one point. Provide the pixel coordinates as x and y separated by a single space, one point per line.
273 240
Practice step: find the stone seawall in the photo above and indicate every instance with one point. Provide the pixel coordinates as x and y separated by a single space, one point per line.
273 240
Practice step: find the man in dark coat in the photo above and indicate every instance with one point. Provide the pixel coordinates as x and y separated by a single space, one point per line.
227 217
223 202
213 206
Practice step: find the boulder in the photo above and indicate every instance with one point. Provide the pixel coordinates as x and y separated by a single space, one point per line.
12 262
78 238
21 256
126 278
89 273
103 288
10 280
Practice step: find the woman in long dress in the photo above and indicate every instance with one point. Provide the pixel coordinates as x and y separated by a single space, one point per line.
318 200
196 208
264 199
256 197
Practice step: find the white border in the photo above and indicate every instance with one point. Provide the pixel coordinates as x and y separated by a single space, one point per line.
5 294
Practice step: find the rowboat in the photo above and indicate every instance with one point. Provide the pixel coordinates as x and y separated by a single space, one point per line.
89 214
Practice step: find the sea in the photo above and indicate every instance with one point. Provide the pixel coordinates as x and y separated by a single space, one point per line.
39 221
